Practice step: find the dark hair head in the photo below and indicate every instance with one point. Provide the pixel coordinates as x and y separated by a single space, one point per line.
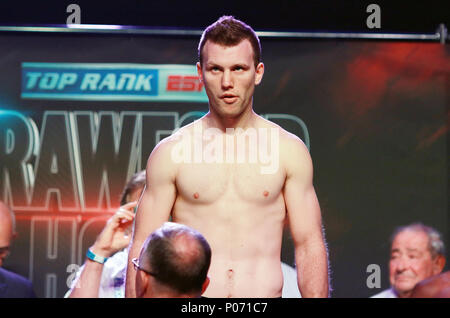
228 31
137 181
179 256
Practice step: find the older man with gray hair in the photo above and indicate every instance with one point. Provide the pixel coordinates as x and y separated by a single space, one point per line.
417 253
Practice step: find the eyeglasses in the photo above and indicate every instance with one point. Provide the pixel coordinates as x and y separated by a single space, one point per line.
135 262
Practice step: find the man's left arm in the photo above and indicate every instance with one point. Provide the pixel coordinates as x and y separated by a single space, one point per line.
305 221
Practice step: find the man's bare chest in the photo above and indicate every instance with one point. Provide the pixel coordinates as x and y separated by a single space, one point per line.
209 183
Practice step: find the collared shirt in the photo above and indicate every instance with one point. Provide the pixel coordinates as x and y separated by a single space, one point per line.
388 293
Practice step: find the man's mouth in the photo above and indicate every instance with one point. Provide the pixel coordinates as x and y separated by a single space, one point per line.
229 98
403 277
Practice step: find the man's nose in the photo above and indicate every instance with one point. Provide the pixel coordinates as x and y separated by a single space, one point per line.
401 264
227 80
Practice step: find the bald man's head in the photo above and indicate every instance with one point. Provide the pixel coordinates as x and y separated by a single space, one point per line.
178 258
7 230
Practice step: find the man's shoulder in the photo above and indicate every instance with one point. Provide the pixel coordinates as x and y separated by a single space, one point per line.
14 285
293 152
293 149
284 134
164 148
286 138
176 136
11 276
430 287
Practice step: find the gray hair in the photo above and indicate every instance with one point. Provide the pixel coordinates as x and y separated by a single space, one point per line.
435 242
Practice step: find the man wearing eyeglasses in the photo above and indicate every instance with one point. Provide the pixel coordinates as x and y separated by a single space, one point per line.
11 284
173 263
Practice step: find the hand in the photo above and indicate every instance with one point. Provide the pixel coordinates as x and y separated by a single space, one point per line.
115 235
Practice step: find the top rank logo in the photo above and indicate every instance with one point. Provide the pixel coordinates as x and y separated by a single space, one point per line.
115 81
88 82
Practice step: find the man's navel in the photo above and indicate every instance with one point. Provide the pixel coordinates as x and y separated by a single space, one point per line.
230 276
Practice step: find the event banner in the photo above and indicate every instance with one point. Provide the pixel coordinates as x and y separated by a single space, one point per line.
80 114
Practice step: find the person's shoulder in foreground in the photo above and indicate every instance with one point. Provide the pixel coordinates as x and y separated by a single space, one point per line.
13 285
437 286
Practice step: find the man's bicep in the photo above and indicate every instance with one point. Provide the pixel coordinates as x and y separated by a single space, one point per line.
158 197
303 213
301 201
154 209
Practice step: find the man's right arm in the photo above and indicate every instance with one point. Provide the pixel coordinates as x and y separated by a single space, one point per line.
112 239
155 205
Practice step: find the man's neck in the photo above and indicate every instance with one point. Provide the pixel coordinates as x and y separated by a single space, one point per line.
168 294
245 120
406 294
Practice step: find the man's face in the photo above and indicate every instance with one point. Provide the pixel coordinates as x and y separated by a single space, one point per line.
411 261
6 235
229 76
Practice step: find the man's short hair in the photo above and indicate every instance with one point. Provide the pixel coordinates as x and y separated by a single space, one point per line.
435 243
136 181
228 31
183 269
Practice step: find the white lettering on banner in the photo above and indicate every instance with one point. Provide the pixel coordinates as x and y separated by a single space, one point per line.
86 157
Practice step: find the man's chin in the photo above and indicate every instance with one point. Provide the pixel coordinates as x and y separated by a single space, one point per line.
404 286
229 113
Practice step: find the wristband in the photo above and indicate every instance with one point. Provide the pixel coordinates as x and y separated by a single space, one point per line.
95 258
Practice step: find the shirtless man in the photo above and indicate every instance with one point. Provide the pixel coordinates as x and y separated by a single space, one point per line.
240 206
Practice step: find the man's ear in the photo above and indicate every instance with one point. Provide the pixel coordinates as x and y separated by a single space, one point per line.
259 73
205 285
199 71
439 264
144 281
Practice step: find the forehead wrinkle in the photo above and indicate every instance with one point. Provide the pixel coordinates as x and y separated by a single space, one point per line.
214 53
418 237
414 249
